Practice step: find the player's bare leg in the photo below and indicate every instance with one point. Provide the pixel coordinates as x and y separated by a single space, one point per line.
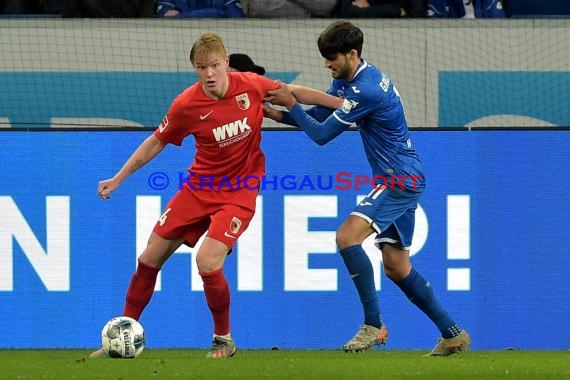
396 261
157 251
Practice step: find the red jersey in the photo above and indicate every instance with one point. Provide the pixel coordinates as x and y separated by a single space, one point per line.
227 132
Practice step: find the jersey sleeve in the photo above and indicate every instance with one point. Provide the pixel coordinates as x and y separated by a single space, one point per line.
356 105
171 129
319 132
318 113
319 123
265 84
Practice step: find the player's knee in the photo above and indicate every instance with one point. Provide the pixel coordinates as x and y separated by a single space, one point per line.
209 263
392 272
151 260
397 270
204 265
345 239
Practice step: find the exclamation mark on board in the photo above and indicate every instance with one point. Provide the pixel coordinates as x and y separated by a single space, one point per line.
458 241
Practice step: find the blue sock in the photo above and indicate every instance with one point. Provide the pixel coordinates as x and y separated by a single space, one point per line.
360 270
420 293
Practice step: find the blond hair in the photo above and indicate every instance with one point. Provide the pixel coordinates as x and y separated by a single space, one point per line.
206 44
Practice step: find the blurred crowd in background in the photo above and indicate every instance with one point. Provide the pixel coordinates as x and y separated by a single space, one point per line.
285 8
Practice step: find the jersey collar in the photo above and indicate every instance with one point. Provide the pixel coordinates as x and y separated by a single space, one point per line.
363 64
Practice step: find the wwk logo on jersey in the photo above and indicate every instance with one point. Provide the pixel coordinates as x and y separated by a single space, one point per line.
232 132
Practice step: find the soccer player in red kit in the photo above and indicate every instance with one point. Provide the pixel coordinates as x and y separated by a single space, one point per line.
224 113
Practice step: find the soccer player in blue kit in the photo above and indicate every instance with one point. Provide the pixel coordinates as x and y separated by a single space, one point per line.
368 98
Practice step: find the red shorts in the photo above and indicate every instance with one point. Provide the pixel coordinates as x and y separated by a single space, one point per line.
190 213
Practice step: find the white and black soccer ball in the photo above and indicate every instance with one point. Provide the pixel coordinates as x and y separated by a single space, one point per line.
123 337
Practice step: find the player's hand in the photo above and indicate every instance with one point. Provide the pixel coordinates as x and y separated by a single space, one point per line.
171 13
106 187
272 113
282 96
361 3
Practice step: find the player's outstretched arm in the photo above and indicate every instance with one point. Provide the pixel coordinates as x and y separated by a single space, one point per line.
149 149
307 95
319 132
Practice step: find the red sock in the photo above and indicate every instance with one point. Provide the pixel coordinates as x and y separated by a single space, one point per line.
140 290
217 294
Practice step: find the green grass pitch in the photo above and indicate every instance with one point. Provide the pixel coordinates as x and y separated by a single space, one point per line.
286 364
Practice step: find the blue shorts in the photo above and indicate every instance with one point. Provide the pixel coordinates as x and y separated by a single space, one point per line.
391 212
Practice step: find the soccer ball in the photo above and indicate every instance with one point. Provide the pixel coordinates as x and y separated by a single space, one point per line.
123 337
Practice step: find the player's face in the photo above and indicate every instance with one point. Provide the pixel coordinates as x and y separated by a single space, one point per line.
211 69
342 66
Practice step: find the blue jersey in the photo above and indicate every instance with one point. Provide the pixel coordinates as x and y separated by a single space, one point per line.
201 8
371 102
456 8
